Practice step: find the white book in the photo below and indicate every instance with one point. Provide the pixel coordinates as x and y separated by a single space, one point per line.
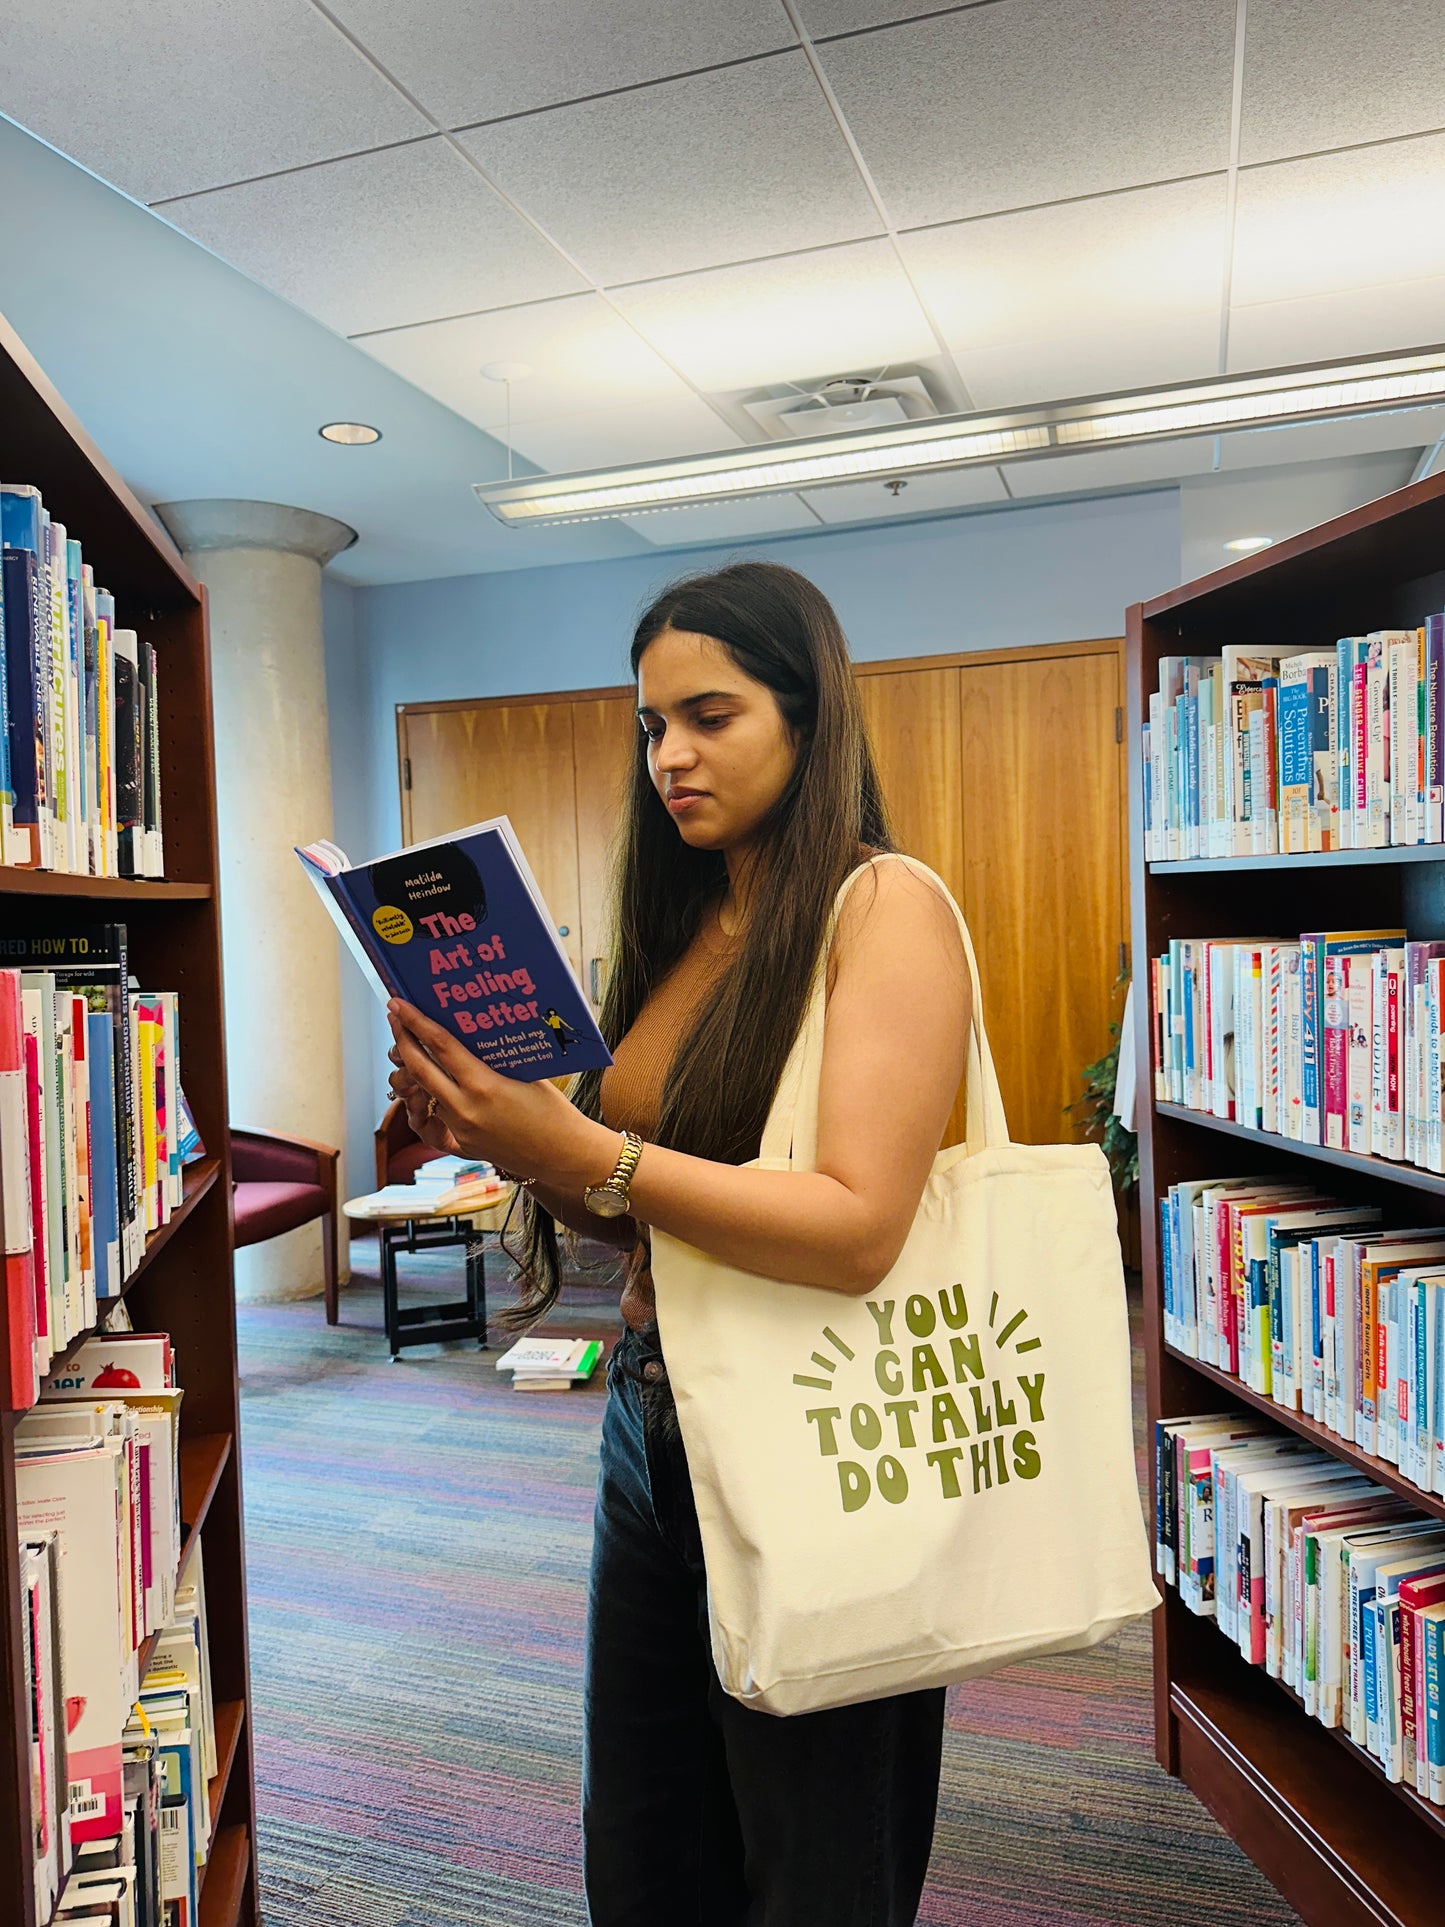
1360 975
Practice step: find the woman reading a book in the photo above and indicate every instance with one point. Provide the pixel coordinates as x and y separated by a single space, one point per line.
753 795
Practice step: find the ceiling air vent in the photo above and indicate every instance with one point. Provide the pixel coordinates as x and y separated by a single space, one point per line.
847 402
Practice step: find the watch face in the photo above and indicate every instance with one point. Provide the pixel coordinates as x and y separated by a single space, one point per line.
605 1204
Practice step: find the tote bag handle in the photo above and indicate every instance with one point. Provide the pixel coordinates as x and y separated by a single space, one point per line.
791 1132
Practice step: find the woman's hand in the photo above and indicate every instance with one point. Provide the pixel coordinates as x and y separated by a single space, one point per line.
456 1103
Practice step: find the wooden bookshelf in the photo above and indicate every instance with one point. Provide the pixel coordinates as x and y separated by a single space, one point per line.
184 1284
1343 1845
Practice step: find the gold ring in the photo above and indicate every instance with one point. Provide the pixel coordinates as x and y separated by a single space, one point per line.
431 1107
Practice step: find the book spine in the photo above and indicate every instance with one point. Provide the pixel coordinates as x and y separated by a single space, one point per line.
1311 970
1434 747
1335 1110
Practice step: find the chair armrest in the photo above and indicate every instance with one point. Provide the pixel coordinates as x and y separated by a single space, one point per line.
269 1156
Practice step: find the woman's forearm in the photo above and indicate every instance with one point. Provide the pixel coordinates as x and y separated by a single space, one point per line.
568 1208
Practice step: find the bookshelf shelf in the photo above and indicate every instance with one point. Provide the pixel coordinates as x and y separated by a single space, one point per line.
1194 866
184 1282
62 883
1344 1846
1379 1470
225 1879
1383 1170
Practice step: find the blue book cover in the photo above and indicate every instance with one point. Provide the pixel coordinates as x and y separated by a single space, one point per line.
458 927
27 654
104 1193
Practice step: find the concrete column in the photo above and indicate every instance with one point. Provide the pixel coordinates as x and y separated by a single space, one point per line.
261 564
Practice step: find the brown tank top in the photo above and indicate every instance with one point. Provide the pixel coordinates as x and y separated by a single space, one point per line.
633 1085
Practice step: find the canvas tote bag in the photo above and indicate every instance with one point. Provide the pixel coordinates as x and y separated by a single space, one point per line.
910 1488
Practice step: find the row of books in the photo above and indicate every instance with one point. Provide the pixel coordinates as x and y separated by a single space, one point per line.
1317 1304
94 1135
1263 751
1330 1583
1333 1038
119 1762
79 709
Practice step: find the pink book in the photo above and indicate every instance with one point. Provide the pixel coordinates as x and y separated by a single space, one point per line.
37 1201
1336 1106
24 1383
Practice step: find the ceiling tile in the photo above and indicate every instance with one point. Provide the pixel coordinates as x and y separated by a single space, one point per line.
409 234
1324 441
581 355
1139 277
473 60
730 189
795 319
1029 101
951 488
722 521
649 431
823 17
179 95
1319 74
1112 467
1328 327
1341 254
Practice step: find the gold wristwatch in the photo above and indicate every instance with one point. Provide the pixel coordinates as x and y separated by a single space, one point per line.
610 1200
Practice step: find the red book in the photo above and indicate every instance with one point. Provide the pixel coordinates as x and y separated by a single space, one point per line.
1414 1594
24 1387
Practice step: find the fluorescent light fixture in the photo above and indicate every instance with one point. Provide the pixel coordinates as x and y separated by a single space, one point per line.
349 434
1320 393
1245 544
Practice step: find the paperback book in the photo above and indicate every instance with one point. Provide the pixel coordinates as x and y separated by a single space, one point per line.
457 926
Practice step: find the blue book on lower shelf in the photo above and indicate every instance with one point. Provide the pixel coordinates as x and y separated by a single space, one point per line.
459 928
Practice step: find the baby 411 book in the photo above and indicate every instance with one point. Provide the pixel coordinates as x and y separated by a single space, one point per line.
457 926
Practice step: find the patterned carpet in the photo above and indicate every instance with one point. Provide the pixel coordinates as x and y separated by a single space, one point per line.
418 1537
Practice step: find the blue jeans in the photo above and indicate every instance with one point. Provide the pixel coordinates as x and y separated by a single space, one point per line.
699 1811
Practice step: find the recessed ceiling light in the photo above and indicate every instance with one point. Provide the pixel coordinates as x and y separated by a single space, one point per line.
1242 544
349 434
1323 392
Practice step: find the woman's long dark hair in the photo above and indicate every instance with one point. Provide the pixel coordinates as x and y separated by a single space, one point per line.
781 630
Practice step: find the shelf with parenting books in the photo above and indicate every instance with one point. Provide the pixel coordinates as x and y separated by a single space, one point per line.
1380 1470
1357 1162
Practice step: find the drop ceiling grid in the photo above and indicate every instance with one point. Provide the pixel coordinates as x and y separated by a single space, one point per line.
981 124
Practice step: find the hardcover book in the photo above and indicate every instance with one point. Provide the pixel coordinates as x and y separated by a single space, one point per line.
458 927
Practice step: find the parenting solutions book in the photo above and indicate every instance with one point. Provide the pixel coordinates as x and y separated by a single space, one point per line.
458 927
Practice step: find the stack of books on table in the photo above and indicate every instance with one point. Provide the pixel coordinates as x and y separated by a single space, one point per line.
551 1365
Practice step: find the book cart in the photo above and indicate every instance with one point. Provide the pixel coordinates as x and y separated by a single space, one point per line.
184 1284
1315 1812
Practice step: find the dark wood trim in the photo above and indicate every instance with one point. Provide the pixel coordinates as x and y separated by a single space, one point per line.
225 1879
1382 1169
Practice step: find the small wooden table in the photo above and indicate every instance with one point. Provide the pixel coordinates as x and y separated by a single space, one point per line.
406 1226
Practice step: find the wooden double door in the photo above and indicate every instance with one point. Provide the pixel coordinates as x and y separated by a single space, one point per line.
1004 772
